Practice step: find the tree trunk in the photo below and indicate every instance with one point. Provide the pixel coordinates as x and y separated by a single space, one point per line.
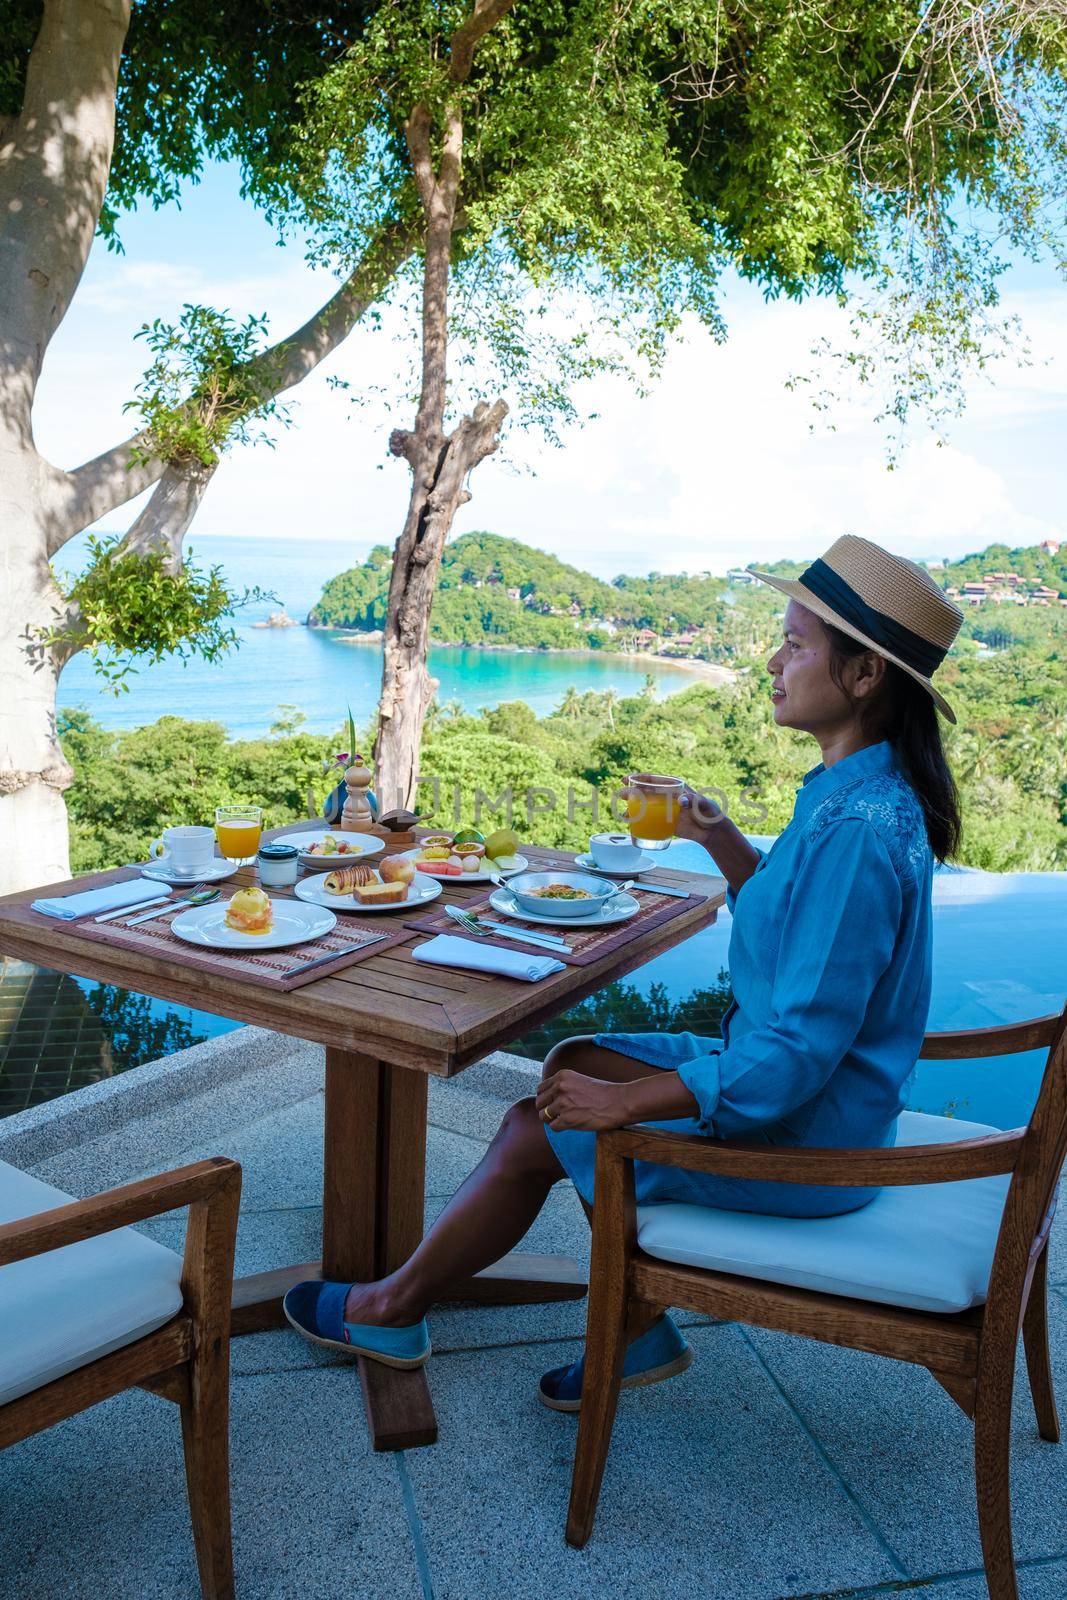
439 462
407 687
33 771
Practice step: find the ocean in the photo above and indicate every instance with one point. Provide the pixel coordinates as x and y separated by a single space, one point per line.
321 672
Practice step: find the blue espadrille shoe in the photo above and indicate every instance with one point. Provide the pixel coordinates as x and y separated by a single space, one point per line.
316 1310
660 1353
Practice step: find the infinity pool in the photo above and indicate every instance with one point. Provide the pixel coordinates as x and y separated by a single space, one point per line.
1000 955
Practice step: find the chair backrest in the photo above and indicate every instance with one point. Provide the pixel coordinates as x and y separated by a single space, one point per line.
1026 1215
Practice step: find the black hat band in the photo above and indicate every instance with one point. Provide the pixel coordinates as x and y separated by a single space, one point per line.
909 647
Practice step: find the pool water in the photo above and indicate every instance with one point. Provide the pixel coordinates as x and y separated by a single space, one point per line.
1000 955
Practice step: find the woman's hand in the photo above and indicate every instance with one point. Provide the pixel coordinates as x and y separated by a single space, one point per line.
573 1100
698 813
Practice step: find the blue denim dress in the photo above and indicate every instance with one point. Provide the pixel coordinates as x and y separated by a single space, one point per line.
830 968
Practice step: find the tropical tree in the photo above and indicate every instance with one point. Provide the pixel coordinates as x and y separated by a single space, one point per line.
617 153
192 83
632 149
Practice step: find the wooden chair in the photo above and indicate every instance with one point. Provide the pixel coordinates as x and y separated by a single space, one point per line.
970 1352
114 1309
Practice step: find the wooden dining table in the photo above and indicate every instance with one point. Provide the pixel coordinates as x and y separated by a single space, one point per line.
388 1024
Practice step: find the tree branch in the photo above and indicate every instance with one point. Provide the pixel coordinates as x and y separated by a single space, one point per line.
417 134
160 528
469 35
81 497
78 499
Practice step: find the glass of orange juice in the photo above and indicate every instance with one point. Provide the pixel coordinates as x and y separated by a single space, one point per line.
237 828
653 805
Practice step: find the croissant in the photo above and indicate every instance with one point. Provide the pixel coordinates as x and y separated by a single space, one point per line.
345 879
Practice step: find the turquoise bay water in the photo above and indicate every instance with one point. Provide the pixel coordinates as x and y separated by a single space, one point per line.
319 671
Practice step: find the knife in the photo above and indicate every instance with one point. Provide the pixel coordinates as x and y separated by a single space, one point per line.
546 940
332 955
138 905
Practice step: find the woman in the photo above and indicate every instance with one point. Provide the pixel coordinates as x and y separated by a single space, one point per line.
829 960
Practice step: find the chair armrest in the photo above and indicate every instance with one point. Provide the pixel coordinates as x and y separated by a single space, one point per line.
903 1164
1038 1033
116 1208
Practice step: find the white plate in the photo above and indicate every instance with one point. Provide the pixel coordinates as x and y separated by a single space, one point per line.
468 877
622 908
360 846
293 924
422 890
645 864
217 871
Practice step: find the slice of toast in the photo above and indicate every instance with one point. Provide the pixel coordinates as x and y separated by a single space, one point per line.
380 894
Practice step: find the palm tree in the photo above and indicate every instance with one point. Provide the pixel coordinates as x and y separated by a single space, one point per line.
453 710
609 700
571 704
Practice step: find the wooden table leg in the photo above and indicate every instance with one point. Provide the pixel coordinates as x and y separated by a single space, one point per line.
374 1182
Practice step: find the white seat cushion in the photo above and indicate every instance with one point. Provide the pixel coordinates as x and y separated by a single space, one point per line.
927 1246
64 1309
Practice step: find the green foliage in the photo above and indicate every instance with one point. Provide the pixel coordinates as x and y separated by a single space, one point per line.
128 786
471 603
203 393
132 608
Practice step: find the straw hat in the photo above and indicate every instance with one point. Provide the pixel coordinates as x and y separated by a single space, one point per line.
891 605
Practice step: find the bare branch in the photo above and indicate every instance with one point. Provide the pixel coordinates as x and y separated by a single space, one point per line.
417 134
78 499
166 519
469 35
81 497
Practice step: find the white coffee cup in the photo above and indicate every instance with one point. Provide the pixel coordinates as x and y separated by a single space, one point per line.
615 852
184 851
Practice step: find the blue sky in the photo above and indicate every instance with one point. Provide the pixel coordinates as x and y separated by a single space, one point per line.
718 466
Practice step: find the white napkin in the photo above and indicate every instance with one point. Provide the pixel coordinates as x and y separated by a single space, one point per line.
129 892
446 950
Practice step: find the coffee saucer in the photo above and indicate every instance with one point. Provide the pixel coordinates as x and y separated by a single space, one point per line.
215 873
645 864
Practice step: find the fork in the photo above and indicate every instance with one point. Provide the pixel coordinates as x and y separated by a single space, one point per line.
471 925
199 895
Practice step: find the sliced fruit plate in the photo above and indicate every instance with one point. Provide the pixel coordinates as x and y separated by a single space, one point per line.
322 848
452 867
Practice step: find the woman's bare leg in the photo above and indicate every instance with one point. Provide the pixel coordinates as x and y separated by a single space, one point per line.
492 1209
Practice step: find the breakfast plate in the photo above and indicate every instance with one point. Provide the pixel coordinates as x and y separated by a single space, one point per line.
358 847
422 890
215 873
645 864
518 864
621 909
293 924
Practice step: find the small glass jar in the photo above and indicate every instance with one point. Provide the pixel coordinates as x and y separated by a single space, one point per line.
277 864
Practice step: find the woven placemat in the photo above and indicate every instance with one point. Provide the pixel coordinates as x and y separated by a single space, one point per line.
587 944
349 942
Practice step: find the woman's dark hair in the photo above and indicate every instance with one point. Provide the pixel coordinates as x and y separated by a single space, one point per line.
904 714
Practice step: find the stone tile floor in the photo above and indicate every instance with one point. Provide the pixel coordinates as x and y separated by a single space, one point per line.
773 1468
